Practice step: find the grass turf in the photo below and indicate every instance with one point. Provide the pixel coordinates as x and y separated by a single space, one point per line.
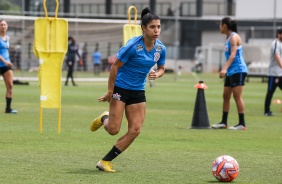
166 151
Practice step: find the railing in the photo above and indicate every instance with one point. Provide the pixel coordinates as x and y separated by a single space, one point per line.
99 8
186 9
209 8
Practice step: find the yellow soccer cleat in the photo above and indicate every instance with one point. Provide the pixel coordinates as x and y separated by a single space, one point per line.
103 165
97 123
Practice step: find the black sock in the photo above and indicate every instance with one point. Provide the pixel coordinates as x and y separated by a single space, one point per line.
8 103
104 117
241 119
224 118
112 154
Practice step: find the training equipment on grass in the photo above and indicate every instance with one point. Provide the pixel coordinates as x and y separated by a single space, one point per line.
225 168
131 30
200 117
50 47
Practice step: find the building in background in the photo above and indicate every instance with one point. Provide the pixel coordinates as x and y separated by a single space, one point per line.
193 25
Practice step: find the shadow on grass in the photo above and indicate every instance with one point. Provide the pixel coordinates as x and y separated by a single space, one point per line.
86 171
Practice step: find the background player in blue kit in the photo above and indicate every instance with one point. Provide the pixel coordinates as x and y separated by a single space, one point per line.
6 65
126 85
235 70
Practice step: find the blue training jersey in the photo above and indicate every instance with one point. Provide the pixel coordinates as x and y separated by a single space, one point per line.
238 65
96 57
138 63
4 51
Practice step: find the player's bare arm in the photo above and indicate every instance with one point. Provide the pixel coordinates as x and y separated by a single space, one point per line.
156 74
6 62
234 43
278 60
112 78
160 71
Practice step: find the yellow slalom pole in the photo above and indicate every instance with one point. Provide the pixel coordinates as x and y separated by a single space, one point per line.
129 14
40 125
59 120
50 47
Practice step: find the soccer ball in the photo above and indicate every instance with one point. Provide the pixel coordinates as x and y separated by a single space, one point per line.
225 168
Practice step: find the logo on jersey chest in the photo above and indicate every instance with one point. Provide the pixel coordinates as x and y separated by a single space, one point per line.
226 48
139 47
157 56
158 48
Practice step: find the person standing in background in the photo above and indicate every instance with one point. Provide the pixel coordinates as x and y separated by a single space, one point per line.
6 65
84 57
274 71
70 60
234 71
96 58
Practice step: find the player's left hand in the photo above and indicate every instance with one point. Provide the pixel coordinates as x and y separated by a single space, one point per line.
106 97
222 73
81 62
152 75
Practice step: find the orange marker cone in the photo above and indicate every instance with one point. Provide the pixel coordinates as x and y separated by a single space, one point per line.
277 101
200 117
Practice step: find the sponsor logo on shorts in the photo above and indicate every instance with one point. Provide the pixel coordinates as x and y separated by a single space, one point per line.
116 96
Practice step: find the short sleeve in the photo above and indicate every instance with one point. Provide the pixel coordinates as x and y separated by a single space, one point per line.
276 48
128 49
162 59
124 53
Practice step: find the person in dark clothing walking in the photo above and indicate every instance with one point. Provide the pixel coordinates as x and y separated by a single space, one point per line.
72 52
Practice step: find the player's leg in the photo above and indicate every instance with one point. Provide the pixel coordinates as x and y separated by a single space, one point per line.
271 87
135 115
8 78
135 108
68 72
227 91
237 95
237 89
71 73
112 122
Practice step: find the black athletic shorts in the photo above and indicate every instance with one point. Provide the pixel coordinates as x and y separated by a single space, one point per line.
237 79
129 96
4 69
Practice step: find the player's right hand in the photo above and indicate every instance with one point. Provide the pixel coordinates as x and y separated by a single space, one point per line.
8 64
106 97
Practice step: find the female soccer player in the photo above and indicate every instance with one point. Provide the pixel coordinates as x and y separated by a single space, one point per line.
126 85
6 65
234 71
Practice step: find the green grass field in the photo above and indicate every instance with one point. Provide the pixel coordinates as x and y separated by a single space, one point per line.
166 151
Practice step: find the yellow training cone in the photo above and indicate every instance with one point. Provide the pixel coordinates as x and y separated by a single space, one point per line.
50 47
